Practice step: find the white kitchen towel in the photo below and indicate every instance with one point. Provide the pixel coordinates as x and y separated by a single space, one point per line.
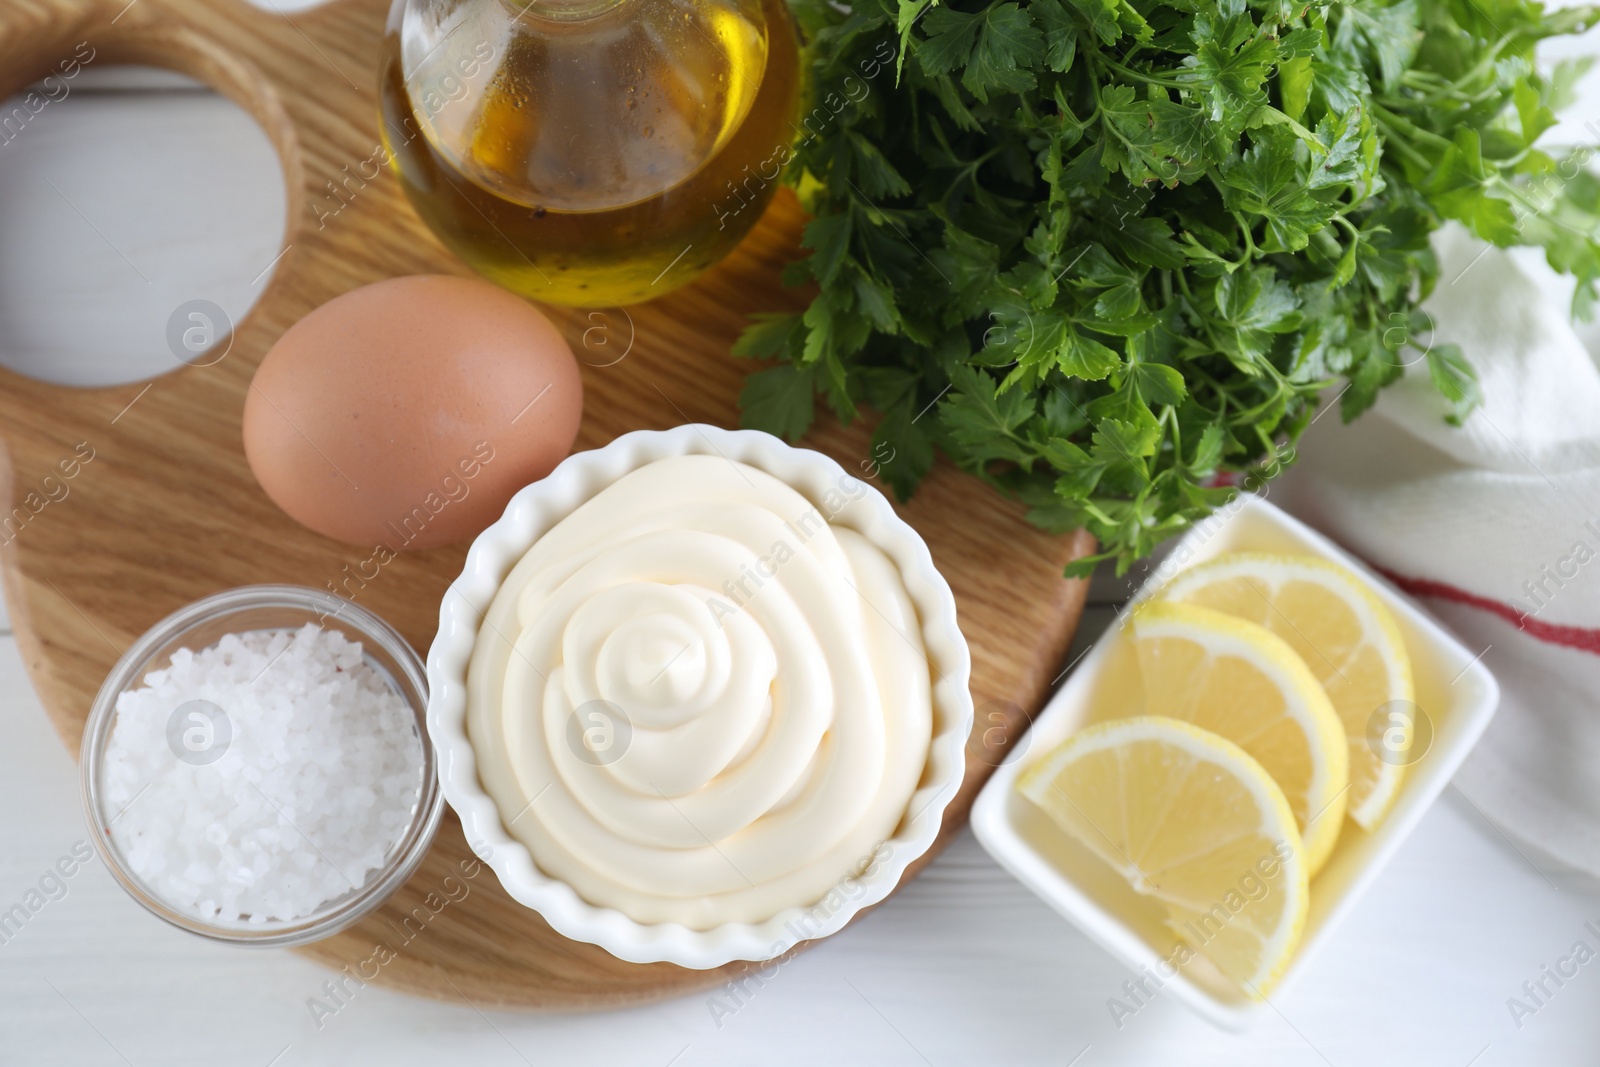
1495 526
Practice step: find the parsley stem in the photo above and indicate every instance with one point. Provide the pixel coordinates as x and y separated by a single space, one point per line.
1166 79
1250 249
1169 415
1411 128
1392 139
1415 79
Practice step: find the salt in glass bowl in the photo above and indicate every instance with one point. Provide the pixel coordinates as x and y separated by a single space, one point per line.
201 625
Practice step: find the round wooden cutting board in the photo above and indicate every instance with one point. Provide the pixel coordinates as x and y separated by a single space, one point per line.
167 511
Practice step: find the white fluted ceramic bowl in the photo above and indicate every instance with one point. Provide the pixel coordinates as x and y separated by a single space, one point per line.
537 508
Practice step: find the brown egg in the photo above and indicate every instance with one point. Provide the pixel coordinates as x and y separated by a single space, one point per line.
406 413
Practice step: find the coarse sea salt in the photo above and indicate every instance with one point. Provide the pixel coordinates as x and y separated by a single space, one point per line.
320 776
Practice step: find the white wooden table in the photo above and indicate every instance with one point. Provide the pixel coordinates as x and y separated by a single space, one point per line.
964 967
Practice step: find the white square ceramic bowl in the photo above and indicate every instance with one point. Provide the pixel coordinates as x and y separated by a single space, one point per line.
1453 689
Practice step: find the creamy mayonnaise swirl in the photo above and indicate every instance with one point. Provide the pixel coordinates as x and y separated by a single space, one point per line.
702 697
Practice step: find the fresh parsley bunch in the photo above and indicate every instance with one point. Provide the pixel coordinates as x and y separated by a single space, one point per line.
1101 251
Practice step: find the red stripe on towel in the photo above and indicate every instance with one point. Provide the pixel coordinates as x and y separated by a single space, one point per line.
1578 637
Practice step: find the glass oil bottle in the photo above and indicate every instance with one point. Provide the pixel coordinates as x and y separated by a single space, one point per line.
589 152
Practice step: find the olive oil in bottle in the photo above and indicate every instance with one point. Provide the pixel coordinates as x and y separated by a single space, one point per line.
589 152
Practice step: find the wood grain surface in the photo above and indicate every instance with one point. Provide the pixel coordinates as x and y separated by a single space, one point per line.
166 511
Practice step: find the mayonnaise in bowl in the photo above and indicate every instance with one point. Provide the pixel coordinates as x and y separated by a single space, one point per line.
702 696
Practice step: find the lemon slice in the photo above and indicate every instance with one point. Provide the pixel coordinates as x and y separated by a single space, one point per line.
1189 819
1237 679
1345 635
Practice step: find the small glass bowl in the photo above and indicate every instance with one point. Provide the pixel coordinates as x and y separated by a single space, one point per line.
204 623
